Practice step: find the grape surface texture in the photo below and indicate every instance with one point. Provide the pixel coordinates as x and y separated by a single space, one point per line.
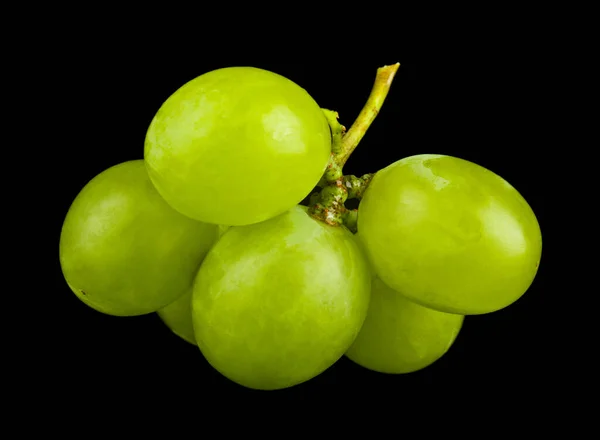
177 316
278 302
237 146
400 336
449 234
123 251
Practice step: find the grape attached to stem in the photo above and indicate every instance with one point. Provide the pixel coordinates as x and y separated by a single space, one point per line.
278 302
237 146
449 234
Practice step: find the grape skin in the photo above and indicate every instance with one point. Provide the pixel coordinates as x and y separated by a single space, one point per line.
400 336
177 316
277 303
449 234
237 146
123 251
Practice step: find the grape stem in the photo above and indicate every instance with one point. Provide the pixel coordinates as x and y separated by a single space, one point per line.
381 87
327 205
356 186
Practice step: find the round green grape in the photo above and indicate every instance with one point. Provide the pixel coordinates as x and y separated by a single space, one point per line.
400 336
123 250
278 302
237 146
177 316
449 234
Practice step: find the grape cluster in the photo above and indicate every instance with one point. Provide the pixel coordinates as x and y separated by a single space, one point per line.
208 231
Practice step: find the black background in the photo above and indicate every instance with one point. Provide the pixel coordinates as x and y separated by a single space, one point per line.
465 104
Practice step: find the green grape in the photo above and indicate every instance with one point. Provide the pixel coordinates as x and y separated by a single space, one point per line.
276 303
177 316
449 234
237 146
123 250
400 336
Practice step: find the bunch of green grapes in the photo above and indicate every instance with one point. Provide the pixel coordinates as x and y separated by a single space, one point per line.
207 232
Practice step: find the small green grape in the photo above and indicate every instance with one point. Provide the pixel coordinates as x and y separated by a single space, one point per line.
123 251
400 336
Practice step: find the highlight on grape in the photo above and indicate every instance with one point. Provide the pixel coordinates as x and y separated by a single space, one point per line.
272 293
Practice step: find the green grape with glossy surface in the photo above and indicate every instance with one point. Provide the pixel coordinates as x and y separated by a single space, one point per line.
449 234
400 336
123 250
278 302
177 316
237 146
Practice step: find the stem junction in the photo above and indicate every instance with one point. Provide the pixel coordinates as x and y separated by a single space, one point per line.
327 204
